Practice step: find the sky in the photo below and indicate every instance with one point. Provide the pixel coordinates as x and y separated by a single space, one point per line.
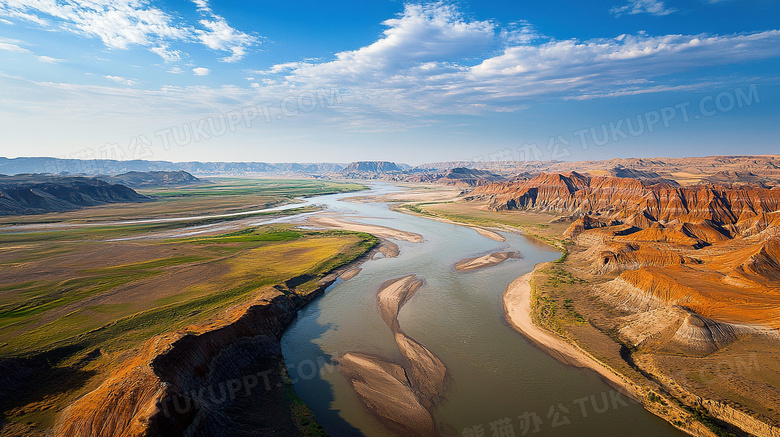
411 82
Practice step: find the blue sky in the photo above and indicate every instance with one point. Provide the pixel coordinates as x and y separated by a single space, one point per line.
414 82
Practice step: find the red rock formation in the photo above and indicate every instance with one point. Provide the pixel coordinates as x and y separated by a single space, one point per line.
714 250
636 202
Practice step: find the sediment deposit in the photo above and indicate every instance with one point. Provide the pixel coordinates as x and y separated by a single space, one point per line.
483 261
401 396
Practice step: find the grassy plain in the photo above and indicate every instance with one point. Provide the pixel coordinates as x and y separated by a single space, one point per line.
76 300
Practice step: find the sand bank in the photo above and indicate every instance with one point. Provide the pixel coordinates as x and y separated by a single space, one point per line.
488 260
488 234
400 396
393 294
379 231
349 274
383 387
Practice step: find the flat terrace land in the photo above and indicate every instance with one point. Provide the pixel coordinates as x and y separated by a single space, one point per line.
74 303
213 196
534 224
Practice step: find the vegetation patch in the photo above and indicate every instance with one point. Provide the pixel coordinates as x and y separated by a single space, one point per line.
550 306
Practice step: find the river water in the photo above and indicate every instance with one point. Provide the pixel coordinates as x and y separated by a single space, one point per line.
499 381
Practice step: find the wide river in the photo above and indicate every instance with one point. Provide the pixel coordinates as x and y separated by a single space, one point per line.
501 385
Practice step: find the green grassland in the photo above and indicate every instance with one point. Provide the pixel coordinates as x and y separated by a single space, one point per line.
75 301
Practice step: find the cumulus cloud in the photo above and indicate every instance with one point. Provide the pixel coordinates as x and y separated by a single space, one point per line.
120 24
435 33
652 7
219 35
433 60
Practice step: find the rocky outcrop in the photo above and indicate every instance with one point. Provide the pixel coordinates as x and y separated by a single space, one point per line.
169 386
369 170
675 329
610 256
741 419
459 176
585 223
760 266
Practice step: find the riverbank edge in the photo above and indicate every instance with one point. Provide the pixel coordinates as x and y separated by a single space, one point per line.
264 317
519 314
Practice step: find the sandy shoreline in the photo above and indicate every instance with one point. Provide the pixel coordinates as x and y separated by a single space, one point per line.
517 308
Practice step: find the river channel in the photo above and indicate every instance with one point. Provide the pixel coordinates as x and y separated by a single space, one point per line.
498 380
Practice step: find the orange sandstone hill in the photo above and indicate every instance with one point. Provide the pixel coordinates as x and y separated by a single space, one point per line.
636 202
713 250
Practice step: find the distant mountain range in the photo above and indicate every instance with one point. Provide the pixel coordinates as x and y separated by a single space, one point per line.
761 171
111 167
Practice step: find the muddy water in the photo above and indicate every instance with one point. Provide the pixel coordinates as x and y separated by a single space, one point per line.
498 379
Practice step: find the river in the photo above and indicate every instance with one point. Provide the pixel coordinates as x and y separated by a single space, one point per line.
499 381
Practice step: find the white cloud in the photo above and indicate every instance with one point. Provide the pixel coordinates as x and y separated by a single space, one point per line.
521 32
652 7
175 70
202 5
120 24
50 60
431 60
121 80
12 45
435 34
166 53
220 36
